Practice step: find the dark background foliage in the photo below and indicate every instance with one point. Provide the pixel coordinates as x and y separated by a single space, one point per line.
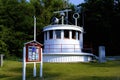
100 19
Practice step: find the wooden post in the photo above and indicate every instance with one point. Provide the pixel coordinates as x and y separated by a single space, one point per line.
41 65
1 60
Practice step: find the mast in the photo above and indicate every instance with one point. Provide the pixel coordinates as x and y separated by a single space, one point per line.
34 28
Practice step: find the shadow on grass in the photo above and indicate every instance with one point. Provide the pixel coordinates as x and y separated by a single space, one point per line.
73 78
4 77
96 78
105 64
11 70
53 76
46 74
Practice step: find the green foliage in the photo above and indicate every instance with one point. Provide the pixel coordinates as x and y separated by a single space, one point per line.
3 48
16 21
101 24
101 17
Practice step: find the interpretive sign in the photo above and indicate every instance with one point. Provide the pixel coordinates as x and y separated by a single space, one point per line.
32 53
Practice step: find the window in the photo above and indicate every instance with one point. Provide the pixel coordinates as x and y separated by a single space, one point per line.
73 34
66 34
51 34
58 34
45 35
79 35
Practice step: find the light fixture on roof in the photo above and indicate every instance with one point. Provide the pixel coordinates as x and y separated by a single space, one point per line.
55 20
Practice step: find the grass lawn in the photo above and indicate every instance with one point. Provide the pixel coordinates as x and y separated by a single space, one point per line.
12 70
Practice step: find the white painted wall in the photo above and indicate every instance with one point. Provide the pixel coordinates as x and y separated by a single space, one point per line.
64 50
66 58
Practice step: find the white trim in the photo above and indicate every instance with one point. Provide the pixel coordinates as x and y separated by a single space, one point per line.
67 58
70 54
33 41
61 27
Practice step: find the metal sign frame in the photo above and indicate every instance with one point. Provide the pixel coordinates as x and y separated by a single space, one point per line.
33 52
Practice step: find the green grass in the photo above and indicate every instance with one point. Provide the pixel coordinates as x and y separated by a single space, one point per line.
12 70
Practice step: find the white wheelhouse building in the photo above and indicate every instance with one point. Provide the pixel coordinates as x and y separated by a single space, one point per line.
64 43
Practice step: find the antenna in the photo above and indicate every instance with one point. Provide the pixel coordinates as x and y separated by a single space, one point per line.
76 16
34 28
62 13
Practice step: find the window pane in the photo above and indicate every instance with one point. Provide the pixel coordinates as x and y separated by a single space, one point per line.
73 34
46 35
51 34
66 33
79 35
58 34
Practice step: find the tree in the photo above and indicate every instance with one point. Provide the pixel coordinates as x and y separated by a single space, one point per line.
16 21
3 46
101 16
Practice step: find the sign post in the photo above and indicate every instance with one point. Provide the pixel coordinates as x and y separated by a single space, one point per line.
41 65
24 63
34 70
32 53
1 60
